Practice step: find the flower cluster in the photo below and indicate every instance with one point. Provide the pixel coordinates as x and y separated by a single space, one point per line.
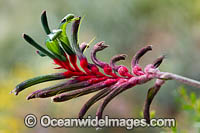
87 78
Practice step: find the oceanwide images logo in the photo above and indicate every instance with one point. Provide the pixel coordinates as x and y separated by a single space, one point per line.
128 123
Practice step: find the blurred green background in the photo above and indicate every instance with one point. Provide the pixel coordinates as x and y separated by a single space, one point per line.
171 26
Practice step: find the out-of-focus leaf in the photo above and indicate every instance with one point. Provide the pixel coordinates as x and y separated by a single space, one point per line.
198 105
152 113
193 97
187 107
183 92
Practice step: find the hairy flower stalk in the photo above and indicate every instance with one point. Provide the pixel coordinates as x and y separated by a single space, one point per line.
88 78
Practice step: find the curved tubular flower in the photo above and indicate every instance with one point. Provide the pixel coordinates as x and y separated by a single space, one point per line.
120 69
58 88
106 67
83 91
153 90
150 95
115 59
107 99
98 47
93 100
37 80
74 36
83 46
139 54
158 61
99 96
115 79
136 69
45 23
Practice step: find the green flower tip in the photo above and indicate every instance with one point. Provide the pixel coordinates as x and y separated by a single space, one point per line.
45 22
67 18
55 33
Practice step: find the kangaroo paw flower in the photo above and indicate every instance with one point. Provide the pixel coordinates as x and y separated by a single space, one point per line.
88 78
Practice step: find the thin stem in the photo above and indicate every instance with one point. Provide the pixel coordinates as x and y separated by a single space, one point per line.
171 76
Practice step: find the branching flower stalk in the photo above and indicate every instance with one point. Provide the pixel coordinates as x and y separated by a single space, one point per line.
88 79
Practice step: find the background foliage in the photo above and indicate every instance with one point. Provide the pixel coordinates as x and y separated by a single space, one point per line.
171 26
